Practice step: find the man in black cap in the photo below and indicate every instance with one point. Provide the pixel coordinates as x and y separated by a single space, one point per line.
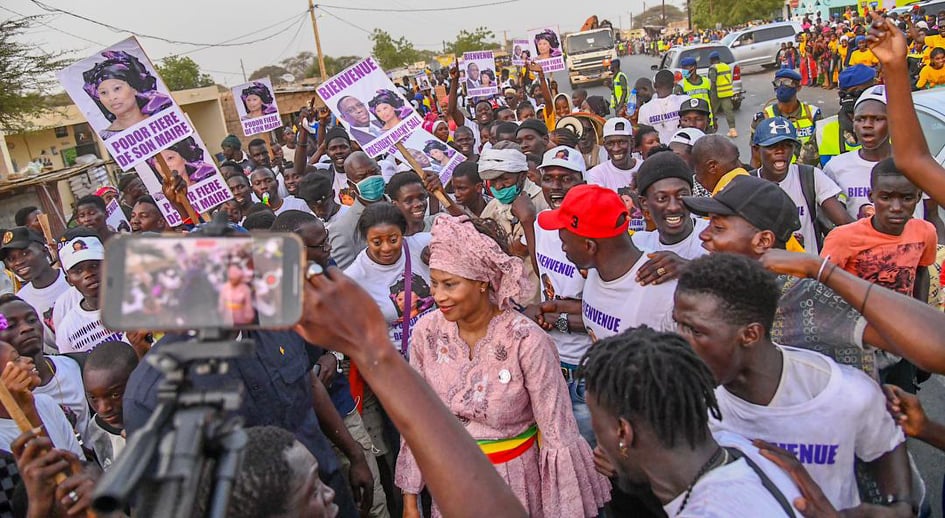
532 135
232 150
695 113
316 189
24 253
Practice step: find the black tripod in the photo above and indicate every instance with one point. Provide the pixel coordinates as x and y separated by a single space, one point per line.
202 441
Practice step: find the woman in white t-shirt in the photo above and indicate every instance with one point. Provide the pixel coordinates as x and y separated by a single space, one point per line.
382 268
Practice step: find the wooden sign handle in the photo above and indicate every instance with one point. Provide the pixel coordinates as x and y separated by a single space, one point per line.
22 422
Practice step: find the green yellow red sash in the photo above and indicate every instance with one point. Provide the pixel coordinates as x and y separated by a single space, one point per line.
504 450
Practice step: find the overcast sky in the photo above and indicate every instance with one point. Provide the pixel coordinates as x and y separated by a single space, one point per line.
342 30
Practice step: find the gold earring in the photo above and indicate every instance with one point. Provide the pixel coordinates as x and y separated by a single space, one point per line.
482 289
624 450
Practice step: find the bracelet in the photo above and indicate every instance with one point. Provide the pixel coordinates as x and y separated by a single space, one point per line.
834 267
823 265
865 298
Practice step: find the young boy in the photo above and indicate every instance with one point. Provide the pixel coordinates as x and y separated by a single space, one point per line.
933 74
81 253
891 248
90 212
107 370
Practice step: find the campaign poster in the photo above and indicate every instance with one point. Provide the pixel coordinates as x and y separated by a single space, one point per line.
480 73
256 105
125 101
423 82
521 51
545 46
370 106
115 217
191 160
432 154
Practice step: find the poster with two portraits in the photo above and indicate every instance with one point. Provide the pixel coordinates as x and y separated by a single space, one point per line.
121 95
544 48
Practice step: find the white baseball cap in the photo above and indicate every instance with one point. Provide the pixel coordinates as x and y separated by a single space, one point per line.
873 93
921 24
80 248
563 156
618 126
687 136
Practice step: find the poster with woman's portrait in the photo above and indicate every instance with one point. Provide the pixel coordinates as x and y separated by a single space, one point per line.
369 105
423 82
256 105
125 101
480 73
432 154
521 50
545 46
189 160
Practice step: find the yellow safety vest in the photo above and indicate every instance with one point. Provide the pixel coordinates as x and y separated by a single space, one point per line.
723 80
699 91
828 142
618 89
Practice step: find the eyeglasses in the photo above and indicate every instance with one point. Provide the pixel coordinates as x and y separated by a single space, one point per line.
324 246
791 83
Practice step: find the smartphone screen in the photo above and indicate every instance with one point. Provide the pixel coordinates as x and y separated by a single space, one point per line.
182 283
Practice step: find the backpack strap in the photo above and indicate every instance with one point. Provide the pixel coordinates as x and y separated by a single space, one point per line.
809 191
765 481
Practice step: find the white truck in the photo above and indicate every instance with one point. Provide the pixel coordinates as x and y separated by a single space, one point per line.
588 55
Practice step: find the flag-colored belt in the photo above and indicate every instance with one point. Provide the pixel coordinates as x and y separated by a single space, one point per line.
503 450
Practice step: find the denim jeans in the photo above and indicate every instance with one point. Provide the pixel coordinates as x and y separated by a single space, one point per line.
579 406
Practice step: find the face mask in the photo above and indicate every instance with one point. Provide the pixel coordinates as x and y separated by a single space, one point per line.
505 195
372 188
785 93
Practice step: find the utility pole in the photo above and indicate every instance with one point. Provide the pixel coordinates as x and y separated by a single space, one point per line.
318 41
244 70
689 14
663 14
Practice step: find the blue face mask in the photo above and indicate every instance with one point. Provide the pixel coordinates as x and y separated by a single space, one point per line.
505 195
785 93
372 188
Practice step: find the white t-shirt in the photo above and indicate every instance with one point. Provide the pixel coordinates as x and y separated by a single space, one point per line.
663 114
57 427
64 304
609 308
689 248
43 300
335 217
381 282
606 174
67 389
82 330
852 174
735 489
814 390
560 279
292 203
824 187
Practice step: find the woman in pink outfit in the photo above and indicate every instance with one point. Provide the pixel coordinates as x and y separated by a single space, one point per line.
499 374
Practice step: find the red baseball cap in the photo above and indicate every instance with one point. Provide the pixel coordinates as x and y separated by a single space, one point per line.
589 211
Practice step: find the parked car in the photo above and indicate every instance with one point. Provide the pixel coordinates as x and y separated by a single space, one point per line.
674 55
760 45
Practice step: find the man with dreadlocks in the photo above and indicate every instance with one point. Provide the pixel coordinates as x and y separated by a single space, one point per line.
650 398
826 414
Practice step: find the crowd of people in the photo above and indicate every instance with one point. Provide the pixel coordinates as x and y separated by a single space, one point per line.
595 316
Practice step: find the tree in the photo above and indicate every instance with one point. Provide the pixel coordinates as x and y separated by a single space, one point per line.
273 72
299 64
181 73
391 53
707 13
480 38
26 76
333 65
654 17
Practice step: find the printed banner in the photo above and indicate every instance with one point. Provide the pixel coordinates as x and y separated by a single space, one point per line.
191 160
115 217
370 106
432 153
545 45
480 73
125 101
256 106
521 50
423 82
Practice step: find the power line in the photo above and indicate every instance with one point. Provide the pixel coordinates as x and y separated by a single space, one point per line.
293 19
425 10
342 20
291 41
39 21
51 9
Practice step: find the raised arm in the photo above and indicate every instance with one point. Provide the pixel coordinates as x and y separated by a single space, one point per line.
340 314
451 109
908 143
545 91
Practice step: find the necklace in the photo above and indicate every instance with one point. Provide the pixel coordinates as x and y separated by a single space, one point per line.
708 466
52 369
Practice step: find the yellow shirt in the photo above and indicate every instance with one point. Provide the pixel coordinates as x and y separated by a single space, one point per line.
792 245
863 57
930 77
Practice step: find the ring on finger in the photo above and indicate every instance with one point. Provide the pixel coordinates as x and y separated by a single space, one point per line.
73 496
313 270
661 271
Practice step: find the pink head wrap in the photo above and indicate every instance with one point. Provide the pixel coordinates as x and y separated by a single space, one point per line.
458 248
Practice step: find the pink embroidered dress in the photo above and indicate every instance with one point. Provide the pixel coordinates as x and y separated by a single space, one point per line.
512 381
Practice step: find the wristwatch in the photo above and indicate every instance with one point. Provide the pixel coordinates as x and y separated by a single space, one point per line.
562 323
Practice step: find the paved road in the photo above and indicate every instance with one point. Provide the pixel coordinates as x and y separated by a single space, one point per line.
757 83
